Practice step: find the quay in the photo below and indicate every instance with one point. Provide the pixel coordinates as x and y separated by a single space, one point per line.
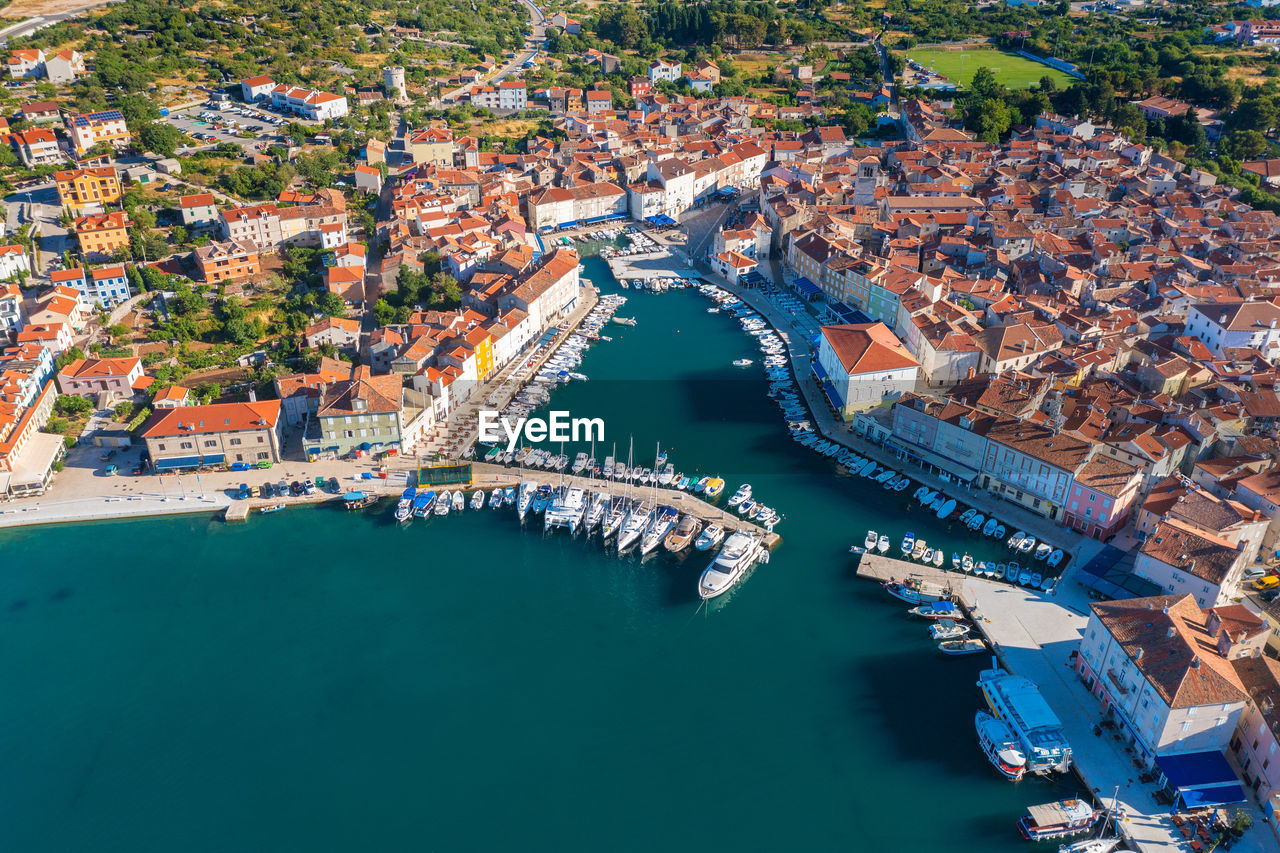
487 476
882 569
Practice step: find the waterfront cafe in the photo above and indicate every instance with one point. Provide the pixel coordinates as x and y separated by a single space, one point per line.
1198 780
807 290
660 221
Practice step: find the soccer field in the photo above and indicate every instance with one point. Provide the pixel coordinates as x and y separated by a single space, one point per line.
1010 69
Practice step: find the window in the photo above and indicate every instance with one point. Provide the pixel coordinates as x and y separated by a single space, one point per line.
185 445
349 433
1186 726
210 443
159 447
235 442
1092 497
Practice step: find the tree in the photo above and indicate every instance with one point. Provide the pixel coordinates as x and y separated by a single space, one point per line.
984 84
384 312
331 304
1047 84
70 405
1246 144
160 138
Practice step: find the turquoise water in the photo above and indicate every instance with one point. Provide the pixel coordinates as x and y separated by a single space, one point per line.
319 680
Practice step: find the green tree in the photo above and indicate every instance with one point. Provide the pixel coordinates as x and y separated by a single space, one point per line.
384 313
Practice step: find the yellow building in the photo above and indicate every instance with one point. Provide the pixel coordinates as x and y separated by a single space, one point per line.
103 233
84 191
481 342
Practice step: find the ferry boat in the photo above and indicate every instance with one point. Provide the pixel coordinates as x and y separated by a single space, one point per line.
711 536
664 521
566 509
404 509
1000 746
683 534
739 553
359 499
1062 819
1017 701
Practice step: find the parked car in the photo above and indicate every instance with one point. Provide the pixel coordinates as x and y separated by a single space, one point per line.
282 488
240 466
264 491
265 463
1268 582
309 487
1254 572
245 492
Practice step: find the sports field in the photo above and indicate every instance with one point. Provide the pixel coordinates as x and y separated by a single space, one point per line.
1010 69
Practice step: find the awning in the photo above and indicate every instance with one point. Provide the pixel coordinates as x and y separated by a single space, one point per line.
806 287
922 454
833 396
1200 779
175 462
1217 795
213 459
818 369
571 223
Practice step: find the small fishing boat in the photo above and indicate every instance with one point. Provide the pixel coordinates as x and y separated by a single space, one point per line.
908 543
1016 539
745 508
1043 550
936 610
966 515
272 508
937 557
1027 544
919 493
999 532
1055 558
902 484
477 499
443 503
1024 577
1036 580
920 547
976 521
989 527
459 502
947 508
967 646
966 563
423 504
711 536
714 487
1011 571
927 556
882 544
871 540
917 591
701 485
742 362
359 499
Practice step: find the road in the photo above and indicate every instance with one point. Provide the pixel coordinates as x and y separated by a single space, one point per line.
39 22
38 205
532 45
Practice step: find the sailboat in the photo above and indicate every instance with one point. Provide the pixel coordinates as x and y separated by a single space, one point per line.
524 498
663 520
638 521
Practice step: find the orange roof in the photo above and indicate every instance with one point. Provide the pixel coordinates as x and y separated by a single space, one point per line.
217 417
867 348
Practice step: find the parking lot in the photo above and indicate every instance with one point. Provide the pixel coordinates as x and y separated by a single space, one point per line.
211 127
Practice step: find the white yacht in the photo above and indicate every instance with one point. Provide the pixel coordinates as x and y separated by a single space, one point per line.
663 520
636 524
597 512
566 509
614 519
740 551
459 502
579 462
710 538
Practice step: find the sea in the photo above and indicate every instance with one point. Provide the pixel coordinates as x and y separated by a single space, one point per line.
321 680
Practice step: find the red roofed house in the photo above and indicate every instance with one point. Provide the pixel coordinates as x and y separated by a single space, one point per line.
341 332
861 365
89 377
347 282
217 434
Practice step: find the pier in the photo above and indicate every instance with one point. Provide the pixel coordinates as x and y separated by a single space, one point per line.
882 569
487 476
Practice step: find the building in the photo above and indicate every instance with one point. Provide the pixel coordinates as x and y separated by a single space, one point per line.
393 82
507 95
861 365
564 207
599 101
1257 736
1162 668
12 316
13 262
1032 465
661 69
39 112
546 292
1181 558
1222 326
37 146
368 179
309 103
733 265
339 332
1102 494
639 87
943 434
64 67
83 191
431 145
26 63
171 397
115 377
191 437
199 212
366 414
89 129
257 88
227 261
103 233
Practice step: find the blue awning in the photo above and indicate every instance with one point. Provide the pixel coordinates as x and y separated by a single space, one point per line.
1218 795
1195 769
806 287
176 462
568 224
833 396
818 370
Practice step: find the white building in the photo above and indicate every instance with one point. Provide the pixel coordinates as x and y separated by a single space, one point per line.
558 207
507 95
253 88
309 103
661 69
13 260
1184 559
1236 325
862 365
1162 668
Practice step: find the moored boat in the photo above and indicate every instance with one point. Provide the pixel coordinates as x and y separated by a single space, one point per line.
936 610
882 544
683 534
999 745
404 508
1062 819
948 629
358 499
965 646
712 535
739 553
916 591
1017 701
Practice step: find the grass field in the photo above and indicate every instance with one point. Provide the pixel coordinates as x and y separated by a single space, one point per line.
1010 69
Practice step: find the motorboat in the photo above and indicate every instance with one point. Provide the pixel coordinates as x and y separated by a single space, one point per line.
664 521
524 497
976 521
743 493
902 484
682 535
947 508
1043 550
712 535
1027 544
908 543
872 539
920 493
477 499
541 499
495 499
938 557
509 496
739 553
459 502
1090 845
579 463
1016 539
948 629
714 487
1036 580
966 646
966 515
1024 577
936 610
989 527
742 362
920 547
444 503
745 508
1062 819
422 504
1000 745
1011 571
966 563
999 532
882 544
359 500
914 590
404 508
1055 558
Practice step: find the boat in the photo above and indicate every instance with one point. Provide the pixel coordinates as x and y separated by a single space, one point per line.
920 547
966 563
1062 819
1090 845
1017 701
495 499
966 646
955 561
613 520
701 485
937 557
902 484
882 544
443 503
714 487
947 508
524 498
1027 544
541 499
908 543
919 493
745 508
999 745
916 591
966 515
989 527
459 502
597 511
1016 540
477 499
739 553
712 535
637 523
1055 558
272 508
999 532
742 362
568 506
359 499
404 509
682 535
872 539
1043 550
423 503
579 462
927 556
936 610
509 496
1036 580
743 493
664 521
948 629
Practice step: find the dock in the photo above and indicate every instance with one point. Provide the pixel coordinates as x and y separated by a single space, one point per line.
882 569
239 511
488 476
